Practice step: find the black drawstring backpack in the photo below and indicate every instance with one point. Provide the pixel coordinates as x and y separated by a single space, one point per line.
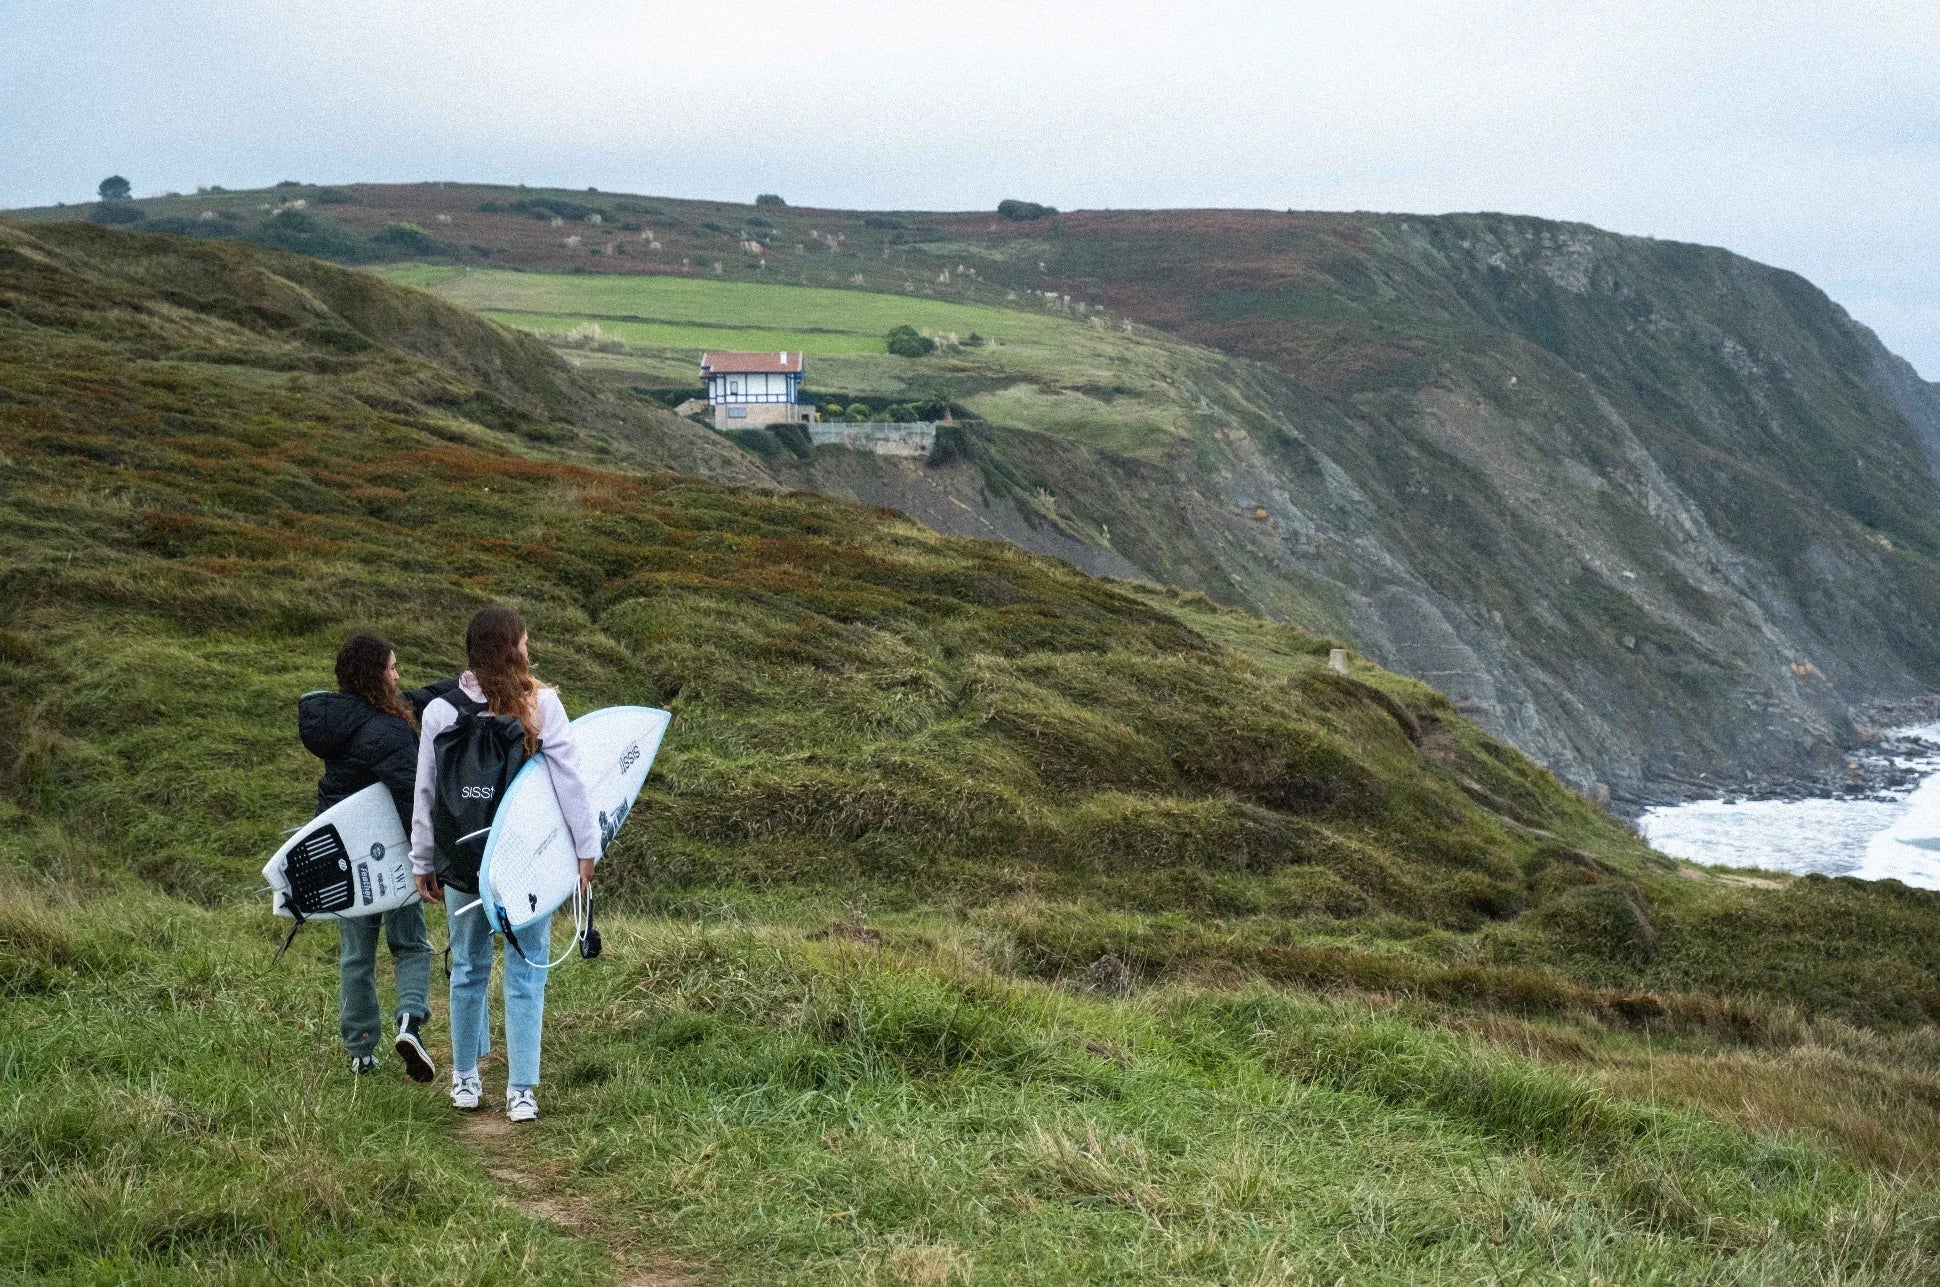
478 756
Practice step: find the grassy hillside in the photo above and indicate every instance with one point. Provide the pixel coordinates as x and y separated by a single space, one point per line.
1656 514
980 923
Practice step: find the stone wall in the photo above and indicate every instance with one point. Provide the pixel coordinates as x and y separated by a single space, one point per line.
757 414
914 439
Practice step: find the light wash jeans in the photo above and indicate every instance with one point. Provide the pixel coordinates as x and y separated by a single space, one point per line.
524 986
358 1017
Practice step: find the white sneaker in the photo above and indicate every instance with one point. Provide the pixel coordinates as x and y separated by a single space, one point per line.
465 1089
521 1105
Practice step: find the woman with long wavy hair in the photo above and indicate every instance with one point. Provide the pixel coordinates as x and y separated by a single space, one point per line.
365 733
499 683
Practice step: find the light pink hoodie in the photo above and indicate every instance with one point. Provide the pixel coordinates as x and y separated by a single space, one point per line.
562 761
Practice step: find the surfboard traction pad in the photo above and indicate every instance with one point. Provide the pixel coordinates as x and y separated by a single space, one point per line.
318 873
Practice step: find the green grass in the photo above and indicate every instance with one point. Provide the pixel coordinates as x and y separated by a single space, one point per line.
760 1103
177 1112
1401 1008
1108 389
697 339
831 316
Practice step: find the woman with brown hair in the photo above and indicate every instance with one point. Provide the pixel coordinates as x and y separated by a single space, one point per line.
498 705
364 734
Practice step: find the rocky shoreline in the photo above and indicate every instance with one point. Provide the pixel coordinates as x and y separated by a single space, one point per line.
1888 763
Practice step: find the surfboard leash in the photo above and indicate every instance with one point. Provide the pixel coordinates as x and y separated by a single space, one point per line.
300 920
582 901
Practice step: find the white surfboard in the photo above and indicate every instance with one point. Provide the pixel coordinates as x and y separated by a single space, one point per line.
529 867
353 859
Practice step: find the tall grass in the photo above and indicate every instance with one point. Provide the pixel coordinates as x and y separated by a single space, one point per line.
1390 983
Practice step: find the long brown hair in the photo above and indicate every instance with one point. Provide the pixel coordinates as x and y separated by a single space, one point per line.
362 666
492 648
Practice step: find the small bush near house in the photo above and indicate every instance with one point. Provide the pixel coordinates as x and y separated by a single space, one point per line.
905 341
769 199
1023 210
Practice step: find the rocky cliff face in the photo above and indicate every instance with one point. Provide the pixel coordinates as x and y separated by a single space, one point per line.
1652 511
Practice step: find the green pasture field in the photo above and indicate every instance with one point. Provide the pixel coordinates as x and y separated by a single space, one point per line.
1079 380
695 338
816 319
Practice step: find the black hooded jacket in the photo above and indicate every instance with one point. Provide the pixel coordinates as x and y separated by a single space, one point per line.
360 744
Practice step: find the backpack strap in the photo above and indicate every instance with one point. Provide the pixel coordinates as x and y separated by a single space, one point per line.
461 701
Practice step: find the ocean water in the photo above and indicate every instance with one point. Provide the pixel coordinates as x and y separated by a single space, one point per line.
1864 838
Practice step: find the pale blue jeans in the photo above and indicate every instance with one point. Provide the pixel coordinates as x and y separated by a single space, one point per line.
524 987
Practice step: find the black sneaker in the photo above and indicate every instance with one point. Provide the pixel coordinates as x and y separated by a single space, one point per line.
361 1064
417 1060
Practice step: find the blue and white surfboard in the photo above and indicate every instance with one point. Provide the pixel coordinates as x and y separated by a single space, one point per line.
529 867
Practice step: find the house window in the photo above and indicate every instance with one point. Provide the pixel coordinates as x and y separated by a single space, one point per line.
734 386
737 413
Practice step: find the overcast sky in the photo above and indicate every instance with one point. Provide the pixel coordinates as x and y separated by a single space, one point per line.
1802 134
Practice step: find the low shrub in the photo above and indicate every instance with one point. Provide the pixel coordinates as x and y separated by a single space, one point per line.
407 238
115 212
544 208
1024 210
309 234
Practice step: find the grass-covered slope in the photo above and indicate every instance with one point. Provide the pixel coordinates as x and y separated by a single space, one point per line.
1653 512
1400 1005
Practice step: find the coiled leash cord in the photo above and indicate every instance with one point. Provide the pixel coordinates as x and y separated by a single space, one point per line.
585 938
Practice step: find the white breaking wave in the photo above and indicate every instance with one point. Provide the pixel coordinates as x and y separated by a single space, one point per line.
1864 838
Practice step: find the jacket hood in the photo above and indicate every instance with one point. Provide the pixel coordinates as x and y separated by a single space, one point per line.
327 721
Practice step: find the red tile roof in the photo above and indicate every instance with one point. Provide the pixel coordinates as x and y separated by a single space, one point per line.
751 363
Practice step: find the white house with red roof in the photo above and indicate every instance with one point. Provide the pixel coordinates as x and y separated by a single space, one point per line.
750 389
